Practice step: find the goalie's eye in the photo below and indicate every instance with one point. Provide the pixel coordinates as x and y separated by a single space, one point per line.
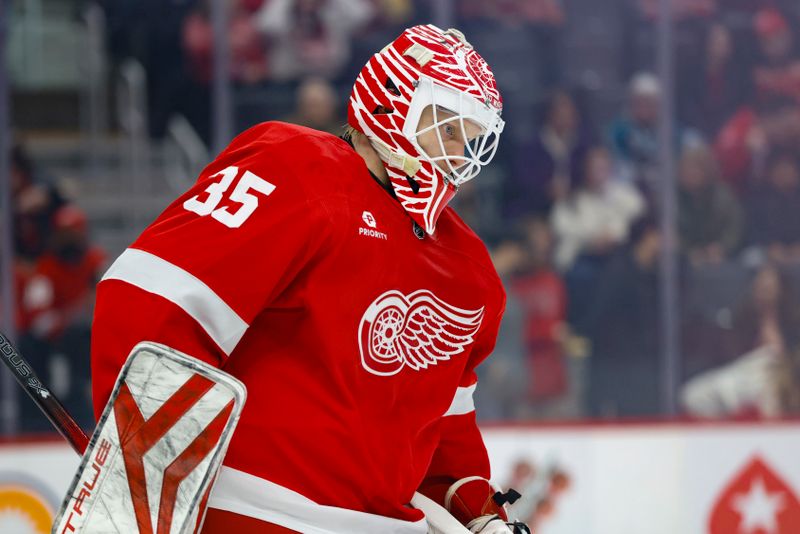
449 130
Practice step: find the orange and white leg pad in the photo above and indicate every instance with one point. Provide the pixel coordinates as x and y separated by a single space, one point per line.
159 444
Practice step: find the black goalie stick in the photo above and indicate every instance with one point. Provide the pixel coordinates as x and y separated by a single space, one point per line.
49 404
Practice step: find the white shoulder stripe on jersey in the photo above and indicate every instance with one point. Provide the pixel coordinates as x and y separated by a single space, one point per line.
158 276
463 402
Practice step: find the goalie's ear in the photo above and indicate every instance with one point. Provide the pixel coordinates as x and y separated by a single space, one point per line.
153 458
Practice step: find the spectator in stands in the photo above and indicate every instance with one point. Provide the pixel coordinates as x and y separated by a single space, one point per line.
710 221
61 292
317 106
773 210
634 135
595 217
35 198
764 332
591 224
543 173
248 54
711 86
772 121
542 295
746 140
504 378
58 299
622 323
311 37
777 74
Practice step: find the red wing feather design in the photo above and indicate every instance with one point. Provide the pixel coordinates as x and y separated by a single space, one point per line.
417 330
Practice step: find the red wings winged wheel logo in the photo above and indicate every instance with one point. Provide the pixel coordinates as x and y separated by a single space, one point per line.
415 331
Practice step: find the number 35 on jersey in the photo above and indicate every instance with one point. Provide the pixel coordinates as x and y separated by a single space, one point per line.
242 194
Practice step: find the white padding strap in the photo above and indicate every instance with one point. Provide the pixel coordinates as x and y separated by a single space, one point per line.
408 164
419 53
160 277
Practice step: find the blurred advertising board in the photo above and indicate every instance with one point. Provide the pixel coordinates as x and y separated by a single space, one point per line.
714 478
34 476
735 478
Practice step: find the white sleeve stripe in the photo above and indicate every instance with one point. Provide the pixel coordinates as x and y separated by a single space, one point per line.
160 277
463 402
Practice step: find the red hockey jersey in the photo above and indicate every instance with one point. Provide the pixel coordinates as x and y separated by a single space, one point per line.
291 268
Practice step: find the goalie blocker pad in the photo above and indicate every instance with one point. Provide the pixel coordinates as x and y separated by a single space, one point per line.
160 441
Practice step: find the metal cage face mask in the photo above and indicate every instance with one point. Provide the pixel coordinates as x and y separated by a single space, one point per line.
458 119
428 68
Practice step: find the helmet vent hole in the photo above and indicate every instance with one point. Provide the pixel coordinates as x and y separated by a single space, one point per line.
414 184
391 87
382 110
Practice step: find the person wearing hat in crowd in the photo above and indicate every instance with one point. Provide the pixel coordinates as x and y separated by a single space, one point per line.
58 300
777 74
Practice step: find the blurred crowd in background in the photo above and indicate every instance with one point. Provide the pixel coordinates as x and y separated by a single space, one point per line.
569 209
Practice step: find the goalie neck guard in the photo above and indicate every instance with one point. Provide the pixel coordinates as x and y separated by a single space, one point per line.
424 67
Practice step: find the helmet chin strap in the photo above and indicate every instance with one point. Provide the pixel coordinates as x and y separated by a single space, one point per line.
410 165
